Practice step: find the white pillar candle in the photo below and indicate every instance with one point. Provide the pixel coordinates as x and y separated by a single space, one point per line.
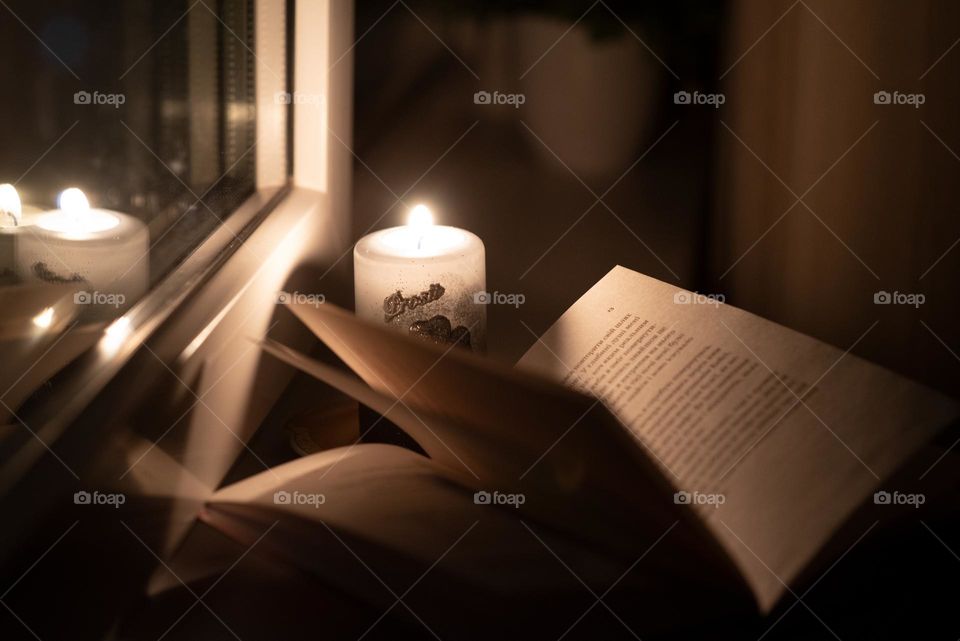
424 280
104 252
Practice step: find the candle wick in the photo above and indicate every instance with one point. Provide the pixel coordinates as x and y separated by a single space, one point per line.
419 242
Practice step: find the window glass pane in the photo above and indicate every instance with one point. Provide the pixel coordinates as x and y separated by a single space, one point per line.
128 135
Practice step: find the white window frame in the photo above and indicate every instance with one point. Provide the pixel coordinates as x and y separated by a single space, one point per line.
198 322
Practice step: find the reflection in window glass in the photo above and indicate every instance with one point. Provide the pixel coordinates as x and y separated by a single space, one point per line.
128 136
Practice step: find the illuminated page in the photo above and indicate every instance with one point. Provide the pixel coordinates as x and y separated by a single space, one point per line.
773 437
509 432
396 512
501 429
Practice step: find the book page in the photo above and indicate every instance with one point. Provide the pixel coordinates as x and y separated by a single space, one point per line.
511 433
373 515
773 437
398 501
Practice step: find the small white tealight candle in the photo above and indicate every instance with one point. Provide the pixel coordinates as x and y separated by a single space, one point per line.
11 210
104 252
15 219
423 279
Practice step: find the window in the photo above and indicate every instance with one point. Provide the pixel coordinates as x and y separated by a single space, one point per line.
129 137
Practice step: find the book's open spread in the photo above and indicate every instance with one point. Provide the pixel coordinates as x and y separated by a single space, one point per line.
772 438
503 430
792 433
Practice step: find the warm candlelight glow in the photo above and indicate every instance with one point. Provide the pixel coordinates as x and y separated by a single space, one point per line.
10 208
44 319
420 218
115 335
73 201
75 216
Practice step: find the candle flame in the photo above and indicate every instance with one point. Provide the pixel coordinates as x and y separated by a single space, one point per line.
75 218
10 206
420 218
73 201
44 319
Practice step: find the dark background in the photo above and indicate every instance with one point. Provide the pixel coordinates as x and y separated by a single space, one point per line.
703 197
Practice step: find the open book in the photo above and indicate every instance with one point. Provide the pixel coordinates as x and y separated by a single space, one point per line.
699 458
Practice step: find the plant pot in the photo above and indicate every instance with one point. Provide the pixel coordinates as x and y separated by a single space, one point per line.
591 101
